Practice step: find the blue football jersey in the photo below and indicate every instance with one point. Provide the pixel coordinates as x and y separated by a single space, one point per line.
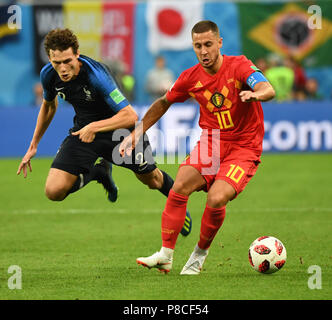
93 93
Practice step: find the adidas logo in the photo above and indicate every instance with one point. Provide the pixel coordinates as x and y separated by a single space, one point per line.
198 85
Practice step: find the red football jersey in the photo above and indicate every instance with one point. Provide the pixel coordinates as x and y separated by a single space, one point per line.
220 104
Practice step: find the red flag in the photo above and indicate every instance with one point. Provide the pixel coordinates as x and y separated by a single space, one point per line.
117 31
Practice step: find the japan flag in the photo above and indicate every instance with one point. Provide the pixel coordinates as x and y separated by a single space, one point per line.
170 23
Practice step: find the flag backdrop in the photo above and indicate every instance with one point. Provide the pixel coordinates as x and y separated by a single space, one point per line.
283 29
45 18
105 30
118 33
85 19
170 23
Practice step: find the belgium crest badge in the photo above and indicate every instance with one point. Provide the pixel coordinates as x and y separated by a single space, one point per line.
217 99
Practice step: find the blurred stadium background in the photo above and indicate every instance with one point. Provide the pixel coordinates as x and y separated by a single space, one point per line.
128 35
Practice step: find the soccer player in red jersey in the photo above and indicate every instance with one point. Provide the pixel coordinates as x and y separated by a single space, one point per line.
229 90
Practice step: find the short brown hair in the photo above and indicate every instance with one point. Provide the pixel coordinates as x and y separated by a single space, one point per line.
205 26
60 39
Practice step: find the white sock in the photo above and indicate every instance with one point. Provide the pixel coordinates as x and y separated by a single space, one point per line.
167 252
199 251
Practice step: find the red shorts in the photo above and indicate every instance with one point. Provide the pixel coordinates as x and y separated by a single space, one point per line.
223 160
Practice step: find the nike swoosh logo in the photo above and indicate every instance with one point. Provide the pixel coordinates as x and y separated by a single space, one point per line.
58 89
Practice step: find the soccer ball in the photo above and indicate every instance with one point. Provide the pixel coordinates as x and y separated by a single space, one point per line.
267 254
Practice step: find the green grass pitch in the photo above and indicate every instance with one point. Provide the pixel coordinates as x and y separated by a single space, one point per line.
85 247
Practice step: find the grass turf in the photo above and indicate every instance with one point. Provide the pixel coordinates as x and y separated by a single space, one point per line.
85 247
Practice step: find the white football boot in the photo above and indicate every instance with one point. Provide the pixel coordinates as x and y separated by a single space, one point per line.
195 263
162 260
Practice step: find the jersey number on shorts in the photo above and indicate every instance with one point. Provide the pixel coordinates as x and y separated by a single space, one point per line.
235 173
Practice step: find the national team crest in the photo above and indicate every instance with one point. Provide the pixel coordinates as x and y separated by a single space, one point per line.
217 99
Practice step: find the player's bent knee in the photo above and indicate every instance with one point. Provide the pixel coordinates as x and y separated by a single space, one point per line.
217 200
182 188
55 194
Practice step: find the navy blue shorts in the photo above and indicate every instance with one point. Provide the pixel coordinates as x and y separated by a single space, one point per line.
75 156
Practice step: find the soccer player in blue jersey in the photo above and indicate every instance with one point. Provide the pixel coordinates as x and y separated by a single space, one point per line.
100 110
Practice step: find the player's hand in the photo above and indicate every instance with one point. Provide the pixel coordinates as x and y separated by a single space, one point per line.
128 144
248 96
25 163
86 134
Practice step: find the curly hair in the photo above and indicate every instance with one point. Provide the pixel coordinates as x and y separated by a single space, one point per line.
60 39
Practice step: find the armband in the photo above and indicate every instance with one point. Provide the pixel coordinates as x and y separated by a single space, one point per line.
255 78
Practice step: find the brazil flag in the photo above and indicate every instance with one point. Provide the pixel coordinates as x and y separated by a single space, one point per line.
298 29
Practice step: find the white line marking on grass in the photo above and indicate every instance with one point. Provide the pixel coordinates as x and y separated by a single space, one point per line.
81 211
150 211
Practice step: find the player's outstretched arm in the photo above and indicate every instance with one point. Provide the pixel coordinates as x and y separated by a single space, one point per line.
125 118
263 91
45 116
154 113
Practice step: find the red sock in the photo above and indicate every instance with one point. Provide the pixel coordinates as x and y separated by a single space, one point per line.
212 220
173 217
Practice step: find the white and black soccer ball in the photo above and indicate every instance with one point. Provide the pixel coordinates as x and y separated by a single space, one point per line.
267 254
